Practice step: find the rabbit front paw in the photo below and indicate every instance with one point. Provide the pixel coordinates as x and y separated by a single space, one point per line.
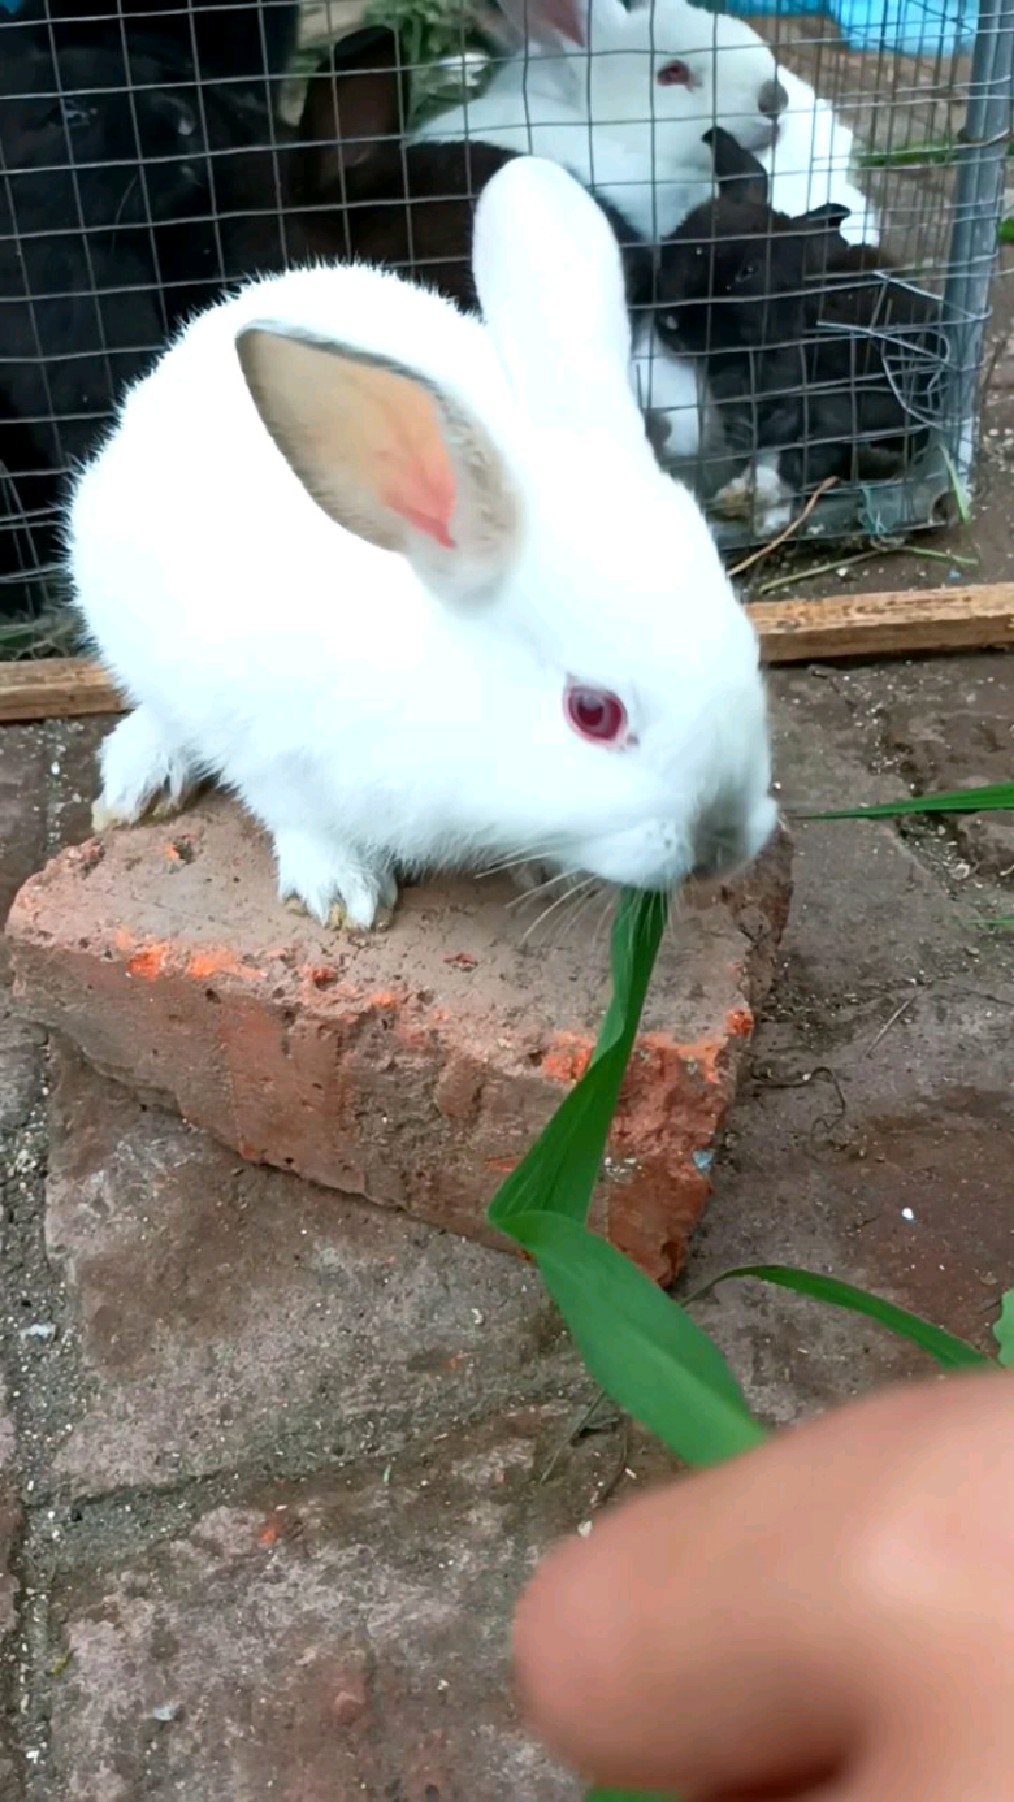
334 884
144 775
758 496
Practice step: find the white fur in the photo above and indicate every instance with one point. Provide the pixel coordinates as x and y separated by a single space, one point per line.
599 111
758 497
366 711
809 166
669 385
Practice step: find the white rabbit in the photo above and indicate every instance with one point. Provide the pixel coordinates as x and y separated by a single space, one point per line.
620 96
412 584
810 163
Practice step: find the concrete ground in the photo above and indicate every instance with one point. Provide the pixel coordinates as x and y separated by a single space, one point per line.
273 1467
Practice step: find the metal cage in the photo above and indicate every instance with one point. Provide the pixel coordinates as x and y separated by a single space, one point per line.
153 154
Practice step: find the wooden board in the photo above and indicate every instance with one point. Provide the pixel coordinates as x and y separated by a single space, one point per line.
55 688
914 623
863 625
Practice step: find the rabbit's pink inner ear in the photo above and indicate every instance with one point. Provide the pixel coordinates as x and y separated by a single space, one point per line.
366 439
543 20
422 493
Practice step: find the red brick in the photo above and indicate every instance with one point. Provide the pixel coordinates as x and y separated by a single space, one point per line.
412 1067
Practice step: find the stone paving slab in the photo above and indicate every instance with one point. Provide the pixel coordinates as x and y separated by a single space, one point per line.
227 1314
340 1638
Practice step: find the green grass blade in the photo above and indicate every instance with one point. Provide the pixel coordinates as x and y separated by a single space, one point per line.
627 1795
559 1173
1003 1331
946 1348
992 797
640 1347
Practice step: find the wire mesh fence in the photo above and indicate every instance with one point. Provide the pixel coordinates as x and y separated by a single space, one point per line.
808 210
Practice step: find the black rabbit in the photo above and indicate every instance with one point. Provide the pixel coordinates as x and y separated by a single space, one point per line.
362 192
809 342
114 167
245 43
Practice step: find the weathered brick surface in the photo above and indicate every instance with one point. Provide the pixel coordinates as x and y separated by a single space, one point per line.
230 1316
412 1068
329 1641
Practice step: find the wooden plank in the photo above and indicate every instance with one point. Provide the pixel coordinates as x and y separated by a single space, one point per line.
55 688
864 625
912 623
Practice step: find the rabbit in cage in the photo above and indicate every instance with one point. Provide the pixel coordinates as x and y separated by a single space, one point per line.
106 241
819 358
493 651
621 97
239 41
358 190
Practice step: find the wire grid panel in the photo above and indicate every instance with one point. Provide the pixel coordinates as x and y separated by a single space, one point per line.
812 323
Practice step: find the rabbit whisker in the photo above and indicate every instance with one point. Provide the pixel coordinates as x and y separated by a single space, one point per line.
567 895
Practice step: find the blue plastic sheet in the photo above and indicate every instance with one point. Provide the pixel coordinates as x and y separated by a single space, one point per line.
915 27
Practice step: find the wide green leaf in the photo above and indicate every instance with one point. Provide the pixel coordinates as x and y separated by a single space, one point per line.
945 1347
990 797
640 1347
1003 1330
560 1171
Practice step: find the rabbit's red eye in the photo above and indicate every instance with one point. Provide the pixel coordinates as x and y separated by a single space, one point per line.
596 714
675 75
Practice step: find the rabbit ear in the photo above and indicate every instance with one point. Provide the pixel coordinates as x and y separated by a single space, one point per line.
828 218
553 22
819 232
358 95
550 285
738 173
386 455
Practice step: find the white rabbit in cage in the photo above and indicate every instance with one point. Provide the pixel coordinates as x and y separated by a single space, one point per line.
810 162
622 98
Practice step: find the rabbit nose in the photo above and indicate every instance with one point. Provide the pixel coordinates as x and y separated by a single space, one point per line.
730 835
772 99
